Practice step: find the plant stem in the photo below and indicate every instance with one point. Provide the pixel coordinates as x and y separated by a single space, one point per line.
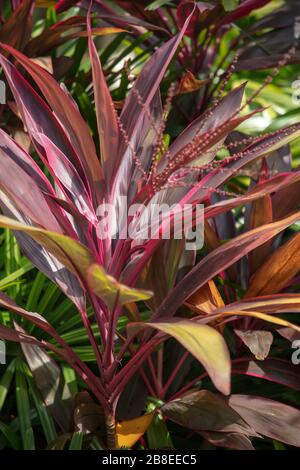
132 366
110 423
174 373
108 357
153 374
160 365
188 386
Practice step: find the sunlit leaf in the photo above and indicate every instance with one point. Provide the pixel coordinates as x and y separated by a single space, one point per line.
218 260
72 254
277 270
274 370
207 298
110 290
129 432
205 344
190 83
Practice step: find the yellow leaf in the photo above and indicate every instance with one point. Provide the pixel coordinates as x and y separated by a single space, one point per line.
108 288
283 303
45 3
205 343
79 260
266 304
129 432
265 317
101 32
73 255
207 298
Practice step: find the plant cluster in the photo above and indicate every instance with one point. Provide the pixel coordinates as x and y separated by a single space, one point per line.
149 342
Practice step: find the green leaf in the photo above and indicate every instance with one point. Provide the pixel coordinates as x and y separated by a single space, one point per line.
5 381
278 446
79 335
10 435
76 441
29 439
15 275
45 419
52 292
158 436
230 5
70 253
70 379
36 289
158 4
11 261
23 407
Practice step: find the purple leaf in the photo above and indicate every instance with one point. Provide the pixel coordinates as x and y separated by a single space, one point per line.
205 411
16 30
268 417
218 260
106 117
230 440
25 192
68 115
66 173
38 117
135 109
48 379
241 11
274 370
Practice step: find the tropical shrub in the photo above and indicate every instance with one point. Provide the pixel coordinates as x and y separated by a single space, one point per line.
161 319
248 33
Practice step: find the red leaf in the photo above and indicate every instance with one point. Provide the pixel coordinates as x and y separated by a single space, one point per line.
268 417
274 370
218 260
68 114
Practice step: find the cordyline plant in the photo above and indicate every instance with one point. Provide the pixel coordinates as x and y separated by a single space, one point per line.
217 31
56 222
16 27
42 43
